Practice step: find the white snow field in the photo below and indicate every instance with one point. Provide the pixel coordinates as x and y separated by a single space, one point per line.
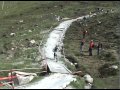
54 81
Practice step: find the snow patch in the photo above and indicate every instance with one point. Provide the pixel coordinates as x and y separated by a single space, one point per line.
54 81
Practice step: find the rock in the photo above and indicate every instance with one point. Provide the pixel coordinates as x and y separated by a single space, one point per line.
114 67
29 30
12 27
12 34
65 18
99 22
88 78
75 63
12 48
21 21
88 86
71 63
23 34
32 41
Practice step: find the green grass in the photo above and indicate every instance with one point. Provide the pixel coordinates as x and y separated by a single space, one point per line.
107 33
103 82
78 84
38 12
31 16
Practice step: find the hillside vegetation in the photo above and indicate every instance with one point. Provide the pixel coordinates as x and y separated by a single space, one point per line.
97 65
23 21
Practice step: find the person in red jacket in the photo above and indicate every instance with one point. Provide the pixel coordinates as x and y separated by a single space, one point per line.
91 47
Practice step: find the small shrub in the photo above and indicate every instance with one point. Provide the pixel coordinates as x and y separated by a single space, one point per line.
77 53
79 83
108 56
17 53
7 46
71 58
105 71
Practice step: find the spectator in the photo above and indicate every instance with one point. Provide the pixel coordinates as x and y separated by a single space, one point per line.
99 47
91 47
81 45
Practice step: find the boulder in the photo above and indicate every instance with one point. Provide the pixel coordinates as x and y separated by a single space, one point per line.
88 86
21 21
12 34
32 41
114 67
88 78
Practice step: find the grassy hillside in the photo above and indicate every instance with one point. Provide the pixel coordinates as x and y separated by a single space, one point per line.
31 20
109 34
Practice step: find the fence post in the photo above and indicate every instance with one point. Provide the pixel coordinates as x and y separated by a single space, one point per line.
12 82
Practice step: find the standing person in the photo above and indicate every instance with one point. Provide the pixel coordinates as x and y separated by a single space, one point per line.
81 45
55 50
84 33
62 49
91 47
99 46
55 56
98 10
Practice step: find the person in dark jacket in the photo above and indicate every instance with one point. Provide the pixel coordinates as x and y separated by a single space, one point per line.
99 47
55 50
81 45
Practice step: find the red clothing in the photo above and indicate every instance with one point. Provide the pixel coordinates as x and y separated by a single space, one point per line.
91 44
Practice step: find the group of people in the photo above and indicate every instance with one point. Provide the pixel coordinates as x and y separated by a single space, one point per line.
91 44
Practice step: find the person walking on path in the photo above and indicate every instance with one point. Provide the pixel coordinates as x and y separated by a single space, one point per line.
55 55
81 45
99 47
91 47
